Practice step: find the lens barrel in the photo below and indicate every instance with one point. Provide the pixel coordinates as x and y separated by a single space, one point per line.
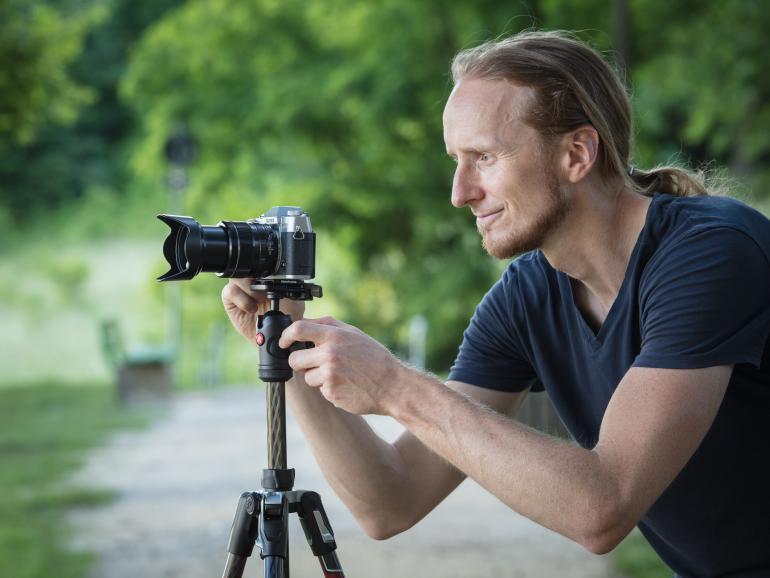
229 249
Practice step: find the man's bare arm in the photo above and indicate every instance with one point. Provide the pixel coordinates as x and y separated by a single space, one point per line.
653 424
387 487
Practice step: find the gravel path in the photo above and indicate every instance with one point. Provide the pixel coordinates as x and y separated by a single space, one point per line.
178 484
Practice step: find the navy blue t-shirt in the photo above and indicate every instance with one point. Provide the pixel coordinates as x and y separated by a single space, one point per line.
696 294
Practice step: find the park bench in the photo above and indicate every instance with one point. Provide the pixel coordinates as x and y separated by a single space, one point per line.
141 374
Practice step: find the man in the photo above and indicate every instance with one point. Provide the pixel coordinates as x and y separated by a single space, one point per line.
639 302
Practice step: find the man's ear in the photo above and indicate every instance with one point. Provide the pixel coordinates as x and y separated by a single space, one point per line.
580 149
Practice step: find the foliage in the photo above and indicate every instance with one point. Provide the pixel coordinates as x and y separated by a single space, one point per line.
37 44
62 129
707 88
45 431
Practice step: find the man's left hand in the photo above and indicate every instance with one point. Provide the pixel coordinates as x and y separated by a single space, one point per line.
352 370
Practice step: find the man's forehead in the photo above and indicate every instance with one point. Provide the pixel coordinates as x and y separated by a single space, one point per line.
483 113
488 98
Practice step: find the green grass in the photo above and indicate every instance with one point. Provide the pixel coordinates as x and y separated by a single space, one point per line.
634 558
45 431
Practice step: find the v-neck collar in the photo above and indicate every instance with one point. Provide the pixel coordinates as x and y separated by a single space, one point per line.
597 338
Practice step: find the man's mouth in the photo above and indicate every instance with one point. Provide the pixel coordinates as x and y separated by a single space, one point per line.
485 219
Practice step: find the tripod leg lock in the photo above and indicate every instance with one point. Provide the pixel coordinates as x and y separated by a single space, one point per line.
245 525
315 523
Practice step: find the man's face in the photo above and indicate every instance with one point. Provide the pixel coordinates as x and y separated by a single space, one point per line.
503 172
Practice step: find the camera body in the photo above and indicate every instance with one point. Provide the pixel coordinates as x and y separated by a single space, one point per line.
296 242
278 245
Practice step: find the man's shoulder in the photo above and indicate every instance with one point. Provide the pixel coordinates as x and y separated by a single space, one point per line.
689 216
706 241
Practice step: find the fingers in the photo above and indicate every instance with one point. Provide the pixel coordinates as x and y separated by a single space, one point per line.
306 359
314 378
315 330
238 294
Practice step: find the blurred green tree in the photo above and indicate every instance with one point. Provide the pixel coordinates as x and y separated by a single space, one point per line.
37 45
702 84
62 127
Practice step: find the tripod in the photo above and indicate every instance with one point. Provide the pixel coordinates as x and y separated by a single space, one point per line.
263 517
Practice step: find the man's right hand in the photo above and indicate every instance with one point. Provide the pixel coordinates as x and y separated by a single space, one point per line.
243 306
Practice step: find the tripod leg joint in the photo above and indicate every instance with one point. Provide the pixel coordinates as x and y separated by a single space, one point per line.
245 525
315 523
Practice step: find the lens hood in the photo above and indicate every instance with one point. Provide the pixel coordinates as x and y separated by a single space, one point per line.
182 248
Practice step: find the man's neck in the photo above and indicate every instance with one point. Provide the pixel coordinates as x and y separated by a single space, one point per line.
594 243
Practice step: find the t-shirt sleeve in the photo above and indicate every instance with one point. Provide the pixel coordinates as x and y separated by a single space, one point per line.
705 301
491 354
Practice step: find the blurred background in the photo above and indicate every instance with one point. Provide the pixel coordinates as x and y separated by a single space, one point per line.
112 111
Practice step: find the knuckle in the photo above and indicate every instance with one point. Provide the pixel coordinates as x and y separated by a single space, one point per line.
332 357
333 339
327 374
312 379
329 392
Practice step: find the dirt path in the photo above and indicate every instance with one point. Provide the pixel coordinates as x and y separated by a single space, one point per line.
178 484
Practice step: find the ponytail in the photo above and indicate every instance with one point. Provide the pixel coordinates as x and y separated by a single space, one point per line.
678 181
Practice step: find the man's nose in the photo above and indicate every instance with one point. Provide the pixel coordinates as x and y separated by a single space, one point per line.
465 186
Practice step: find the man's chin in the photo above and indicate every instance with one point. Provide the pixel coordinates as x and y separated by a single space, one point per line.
499 249
507 247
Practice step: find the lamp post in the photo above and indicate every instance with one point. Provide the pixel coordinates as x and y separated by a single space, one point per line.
180 150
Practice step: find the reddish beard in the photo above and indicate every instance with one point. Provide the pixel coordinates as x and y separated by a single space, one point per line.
531 236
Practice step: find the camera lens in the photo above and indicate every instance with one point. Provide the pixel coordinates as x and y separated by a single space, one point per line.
229 249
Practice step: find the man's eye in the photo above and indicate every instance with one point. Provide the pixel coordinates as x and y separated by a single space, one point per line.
484 157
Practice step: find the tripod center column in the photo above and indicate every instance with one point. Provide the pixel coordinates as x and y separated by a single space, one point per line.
276 425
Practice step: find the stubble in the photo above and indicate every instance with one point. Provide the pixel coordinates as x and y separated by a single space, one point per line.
532 235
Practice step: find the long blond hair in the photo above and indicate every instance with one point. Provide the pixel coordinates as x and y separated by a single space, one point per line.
575 86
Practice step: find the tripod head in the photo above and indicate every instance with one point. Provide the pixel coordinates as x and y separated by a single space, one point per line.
296 289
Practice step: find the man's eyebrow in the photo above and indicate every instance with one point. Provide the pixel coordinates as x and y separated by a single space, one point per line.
492 146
